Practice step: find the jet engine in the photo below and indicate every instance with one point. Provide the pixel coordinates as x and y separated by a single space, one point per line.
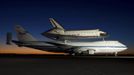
84 51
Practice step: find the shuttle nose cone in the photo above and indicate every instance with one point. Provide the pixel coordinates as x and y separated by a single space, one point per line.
103 34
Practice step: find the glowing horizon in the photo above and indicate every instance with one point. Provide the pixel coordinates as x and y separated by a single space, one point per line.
22 50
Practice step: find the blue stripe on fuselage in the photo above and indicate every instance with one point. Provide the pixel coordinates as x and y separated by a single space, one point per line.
105 46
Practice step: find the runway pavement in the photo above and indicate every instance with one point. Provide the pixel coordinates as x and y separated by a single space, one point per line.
66 65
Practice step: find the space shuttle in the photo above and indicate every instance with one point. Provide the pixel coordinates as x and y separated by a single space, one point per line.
58 32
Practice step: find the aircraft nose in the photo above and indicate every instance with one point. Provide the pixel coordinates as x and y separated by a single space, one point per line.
125 47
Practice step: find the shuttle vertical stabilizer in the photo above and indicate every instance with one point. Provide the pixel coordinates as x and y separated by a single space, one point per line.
55 24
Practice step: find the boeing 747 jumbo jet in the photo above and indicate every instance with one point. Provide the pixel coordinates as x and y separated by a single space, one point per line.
27 40
58 32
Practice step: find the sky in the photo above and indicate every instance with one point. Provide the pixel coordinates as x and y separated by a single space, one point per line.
116 17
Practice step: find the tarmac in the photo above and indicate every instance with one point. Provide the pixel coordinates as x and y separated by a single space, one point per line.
66 65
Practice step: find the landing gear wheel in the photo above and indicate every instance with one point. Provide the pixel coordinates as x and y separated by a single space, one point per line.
115 53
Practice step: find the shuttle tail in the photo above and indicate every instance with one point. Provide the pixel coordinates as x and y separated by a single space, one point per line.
55 24
23 35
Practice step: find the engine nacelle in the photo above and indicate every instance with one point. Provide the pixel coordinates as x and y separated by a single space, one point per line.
91 51
84 51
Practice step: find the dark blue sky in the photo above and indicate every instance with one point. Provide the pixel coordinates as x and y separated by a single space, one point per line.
113 16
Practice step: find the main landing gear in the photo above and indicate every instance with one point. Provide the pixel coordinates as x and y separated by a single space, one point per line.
115 54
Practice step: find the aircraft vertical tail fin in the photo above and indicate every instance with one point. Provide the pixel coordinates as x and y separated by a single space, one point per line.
55 24
23 35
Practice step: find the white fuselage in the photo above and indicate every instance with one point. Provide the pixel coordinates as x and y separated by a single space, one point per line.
74 34
99 46
91 33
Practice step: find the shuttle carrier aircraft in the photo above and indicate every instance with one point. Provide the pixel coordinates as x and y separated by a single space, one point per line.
27 40
58 32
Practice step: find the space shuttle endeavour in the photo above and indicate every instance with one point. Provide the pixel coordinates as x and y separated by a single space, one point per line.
58 32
